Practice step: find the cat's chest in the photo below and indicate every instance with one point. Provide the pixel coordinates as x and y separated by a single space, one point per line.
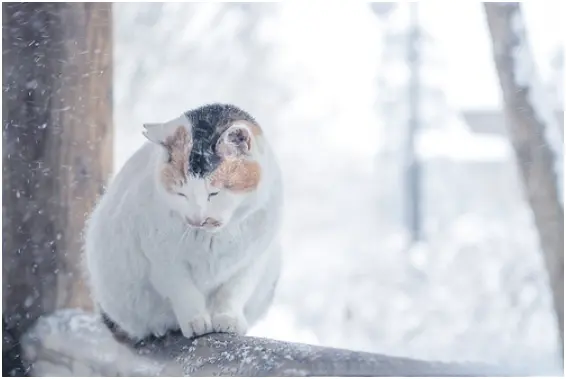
212 259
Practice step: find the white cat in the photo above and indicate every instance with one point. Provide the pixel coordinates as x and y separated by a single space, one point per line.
186 234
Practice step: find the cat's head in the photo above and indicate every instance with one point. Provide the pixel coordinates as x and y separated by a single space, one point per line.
211 163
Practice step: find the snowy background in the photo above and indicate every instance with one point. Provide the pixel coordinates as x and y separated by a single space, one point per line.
326 81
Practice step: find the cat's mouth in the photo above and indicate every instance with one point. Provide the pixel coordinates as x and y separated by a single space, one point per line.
209 224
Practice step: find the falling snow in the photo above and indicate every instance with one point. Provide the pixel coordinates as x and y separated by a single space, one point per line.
475 290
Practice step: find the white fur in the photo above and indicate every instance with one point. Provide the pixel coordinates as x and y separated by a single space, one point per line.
158 132
149 272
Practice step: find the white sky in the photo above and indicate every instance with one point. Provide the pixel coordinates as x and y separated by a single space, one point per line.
465 41
332 36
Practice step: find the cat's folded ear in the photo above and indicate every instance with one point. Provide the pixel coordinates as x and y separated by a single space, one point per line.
161 133
157 133
237 140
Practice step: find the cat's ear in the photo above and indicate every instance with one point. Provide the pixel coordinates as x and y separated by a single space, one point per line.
159 133
237 140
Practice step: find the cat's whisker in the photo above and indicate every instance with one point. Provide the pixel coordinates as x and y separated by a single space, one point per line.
183 236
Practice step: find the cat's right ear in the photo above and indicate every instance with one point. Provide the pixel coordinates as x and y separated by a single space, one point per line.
159 133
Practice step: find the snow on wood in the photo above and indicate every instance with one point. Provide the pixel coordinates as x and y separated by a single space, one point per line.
73 342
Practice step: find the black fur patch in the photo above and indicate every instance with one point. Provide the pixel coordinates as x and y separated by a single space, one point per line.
209 122
116 331
122 337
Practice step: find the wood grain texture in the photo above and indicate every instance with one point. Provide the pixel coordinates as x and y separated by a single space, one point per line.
57 148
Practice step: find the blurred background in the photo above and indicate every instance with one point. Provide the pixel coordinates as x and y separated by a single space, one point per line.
407 229
334 87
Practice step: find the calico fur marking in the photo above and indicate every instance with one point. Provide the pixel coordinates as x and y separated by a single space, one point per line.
237 175
174 172
209 123
205 152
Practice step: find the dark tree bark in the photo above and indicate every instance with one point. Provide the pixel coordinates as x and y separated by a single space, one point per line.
57 149
530 128
12 360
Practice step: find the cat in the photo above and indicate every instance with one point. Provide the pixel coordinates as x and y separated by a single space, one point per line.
186 235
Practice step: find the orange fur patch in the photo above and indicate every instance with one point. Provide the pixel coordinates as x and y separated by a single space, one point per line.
179 147
237 175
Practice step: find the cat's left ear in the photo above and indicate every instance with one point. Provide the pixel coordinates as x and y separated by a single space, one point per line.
160 133
237 140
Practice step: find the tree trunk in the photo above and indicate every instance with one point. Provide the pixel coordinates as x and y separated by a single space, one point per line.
535 139
57 149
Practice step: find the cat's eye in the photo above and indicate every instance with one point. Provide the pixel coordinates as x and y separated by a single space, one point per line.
181 194
212 194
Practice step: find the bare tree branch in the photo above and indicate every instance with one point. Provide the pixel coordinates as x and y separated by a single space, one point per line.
535 137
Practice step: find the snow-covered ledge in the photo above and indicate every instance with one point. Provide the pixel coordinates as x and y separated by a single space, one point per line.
75 343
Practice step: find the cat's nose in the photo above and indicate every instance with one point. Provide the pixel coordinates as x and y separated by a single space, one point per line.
197 222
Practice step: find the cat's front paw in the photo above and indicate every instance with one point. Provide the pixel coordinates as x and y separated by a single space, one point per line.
197 326
229 322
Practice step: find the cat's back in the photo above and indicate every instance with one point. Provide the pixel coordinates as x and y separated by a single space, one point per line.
113 229
113 258
119 207
137 169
